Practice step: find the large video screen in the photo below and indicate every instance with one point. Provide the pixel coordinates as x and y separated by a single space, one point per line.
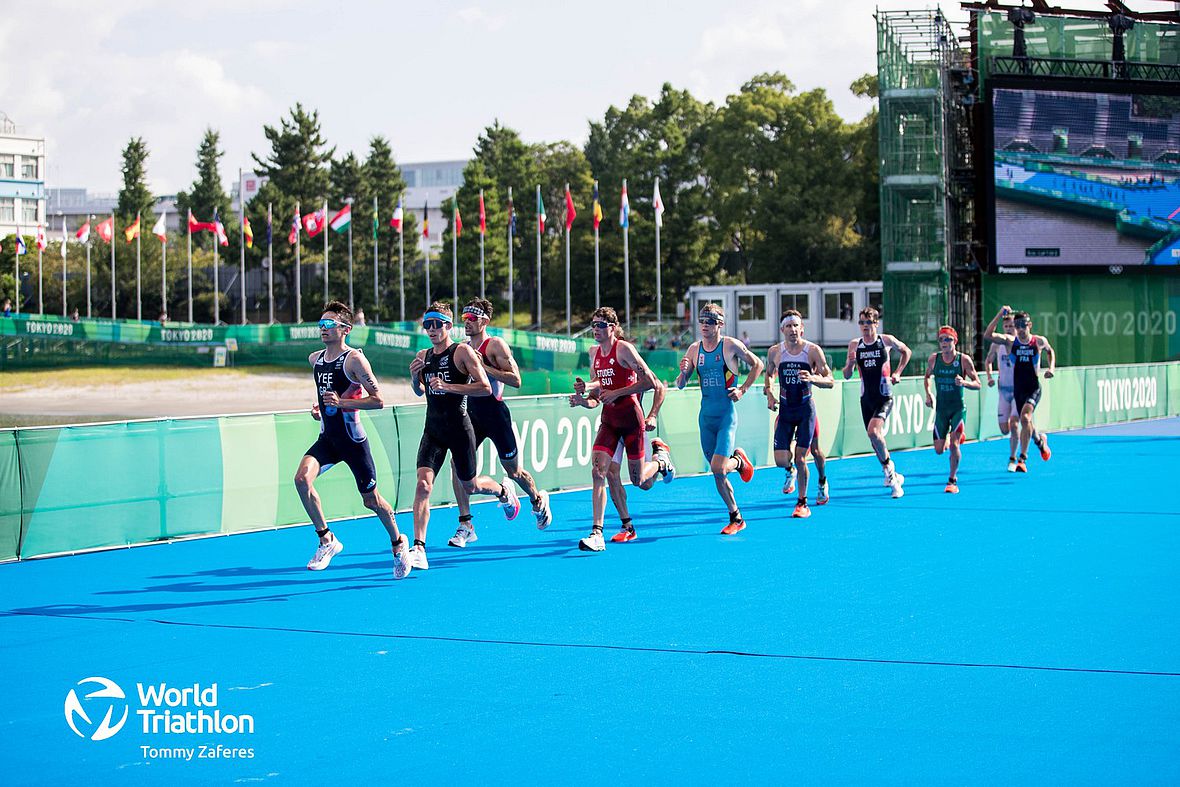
1085 179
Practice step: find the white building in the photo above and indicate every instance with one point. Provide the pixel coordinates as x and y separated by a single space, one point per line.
22 180
428 183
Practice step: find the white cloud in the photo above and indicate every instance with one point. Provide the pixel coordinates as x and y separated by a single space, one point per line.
477 17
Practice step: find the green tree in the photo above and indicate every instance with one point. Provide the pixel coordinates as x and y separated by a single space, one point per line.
384 181
866 174
135 196
207 193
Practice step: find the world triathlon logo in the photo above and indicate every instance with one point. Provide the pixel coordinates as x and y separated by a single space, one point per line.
106 703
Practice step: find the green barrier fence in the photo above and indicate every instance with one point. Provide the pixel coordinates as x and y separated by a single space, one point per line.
67 489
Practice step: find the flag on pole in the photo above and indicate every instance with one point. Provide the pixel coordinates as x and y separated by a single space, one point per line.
483 216
160 228
219 231
63 237
106 229
625 210
248 231
570 212
269 228
83 233
458 219
293 235
200 226
426 219
313 223
376 223
511 217
20 244
396 221
341 219
132 232
541 214
40 238
597 207
658 205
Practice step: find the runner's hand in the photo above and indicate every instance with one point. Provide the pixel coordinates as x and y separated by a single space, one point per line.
685 366
958 381
436 384
1049 375
608 396
416 366
331 399
929 401
991 383
580 386
895 378
649 423
735 394
315 411
771 403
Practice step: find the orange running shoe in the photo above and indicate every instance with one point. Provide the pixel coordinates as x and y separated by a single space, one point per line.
801 511
952 488
624 534
1044 446
733 527
1021 467
746 471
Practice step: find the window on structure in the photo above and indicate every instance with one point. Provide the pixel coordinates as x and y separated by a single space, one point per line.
876 301
751 307
7 210
6 167
28 211
799 301
838 306
28 168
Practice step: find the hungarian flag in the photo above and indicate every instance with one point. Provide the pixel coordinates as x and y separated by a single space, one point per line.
314 223
540 213
658 204
458 219
483 216
426 219
293 235
83 233
342 219
376 223
570 212
597 207
248 231
625 210
132 232
106 229
396 221
40 238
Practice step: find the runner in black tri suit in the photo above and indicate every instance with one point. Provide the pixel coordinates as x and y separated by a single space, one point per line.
447 374
343 377
870 355
1025 348
491 420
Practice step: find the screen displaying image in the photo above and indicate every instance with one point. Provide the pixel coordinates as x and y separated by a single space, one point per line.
1086 178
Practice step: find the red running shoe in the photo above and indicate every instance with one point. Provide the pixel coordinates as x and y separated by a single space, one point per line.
733 527
746 471
801 511
624 534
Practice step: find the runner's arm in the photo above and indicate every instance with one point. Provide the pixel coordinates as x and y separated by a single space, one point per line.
1049 351
821 373
687 363
970 375
989 361
926 379
850 361
357 368
753 361
902 349
503 366
630 359
416 367
989 333
467 361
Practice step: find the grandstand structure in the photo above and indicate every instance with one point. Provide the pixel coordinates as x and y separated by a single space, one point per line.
1033 141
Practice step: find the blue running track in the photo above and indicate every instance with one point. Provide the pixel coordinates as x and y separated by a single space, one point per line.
1026 630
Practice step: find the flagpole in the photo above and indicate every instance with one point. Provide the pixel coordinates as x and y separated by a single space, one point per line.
325 231
270 264
659 291
242 244
16 269
376 283
88 298
455 251
352 305
40 279
627 268
114 310
190 265
64 254
298 270
216 269
482 282
401 261
538 258
164 268
568 316
427 271
597 299
511 300
138 269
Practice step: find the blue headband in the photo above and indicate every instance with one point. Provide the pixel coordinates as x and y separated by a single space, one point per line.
437 316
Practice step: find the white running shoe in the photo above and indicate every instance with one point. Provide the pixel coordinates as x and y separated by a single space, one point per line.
543 513
1011 464
511 504
593 542
662 453
822 498
898 480
401 561
418 557
464 535
324 554
789 484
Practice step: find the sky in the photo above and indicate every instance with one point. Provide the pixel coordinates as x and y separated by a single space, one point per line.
428 76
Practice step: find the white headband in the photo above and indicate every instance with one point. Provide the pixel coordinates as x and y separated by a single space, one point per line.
790 319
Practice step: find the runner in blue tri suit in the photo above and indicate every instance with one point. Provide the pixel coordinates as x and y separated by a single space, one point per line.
715 359
343 377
